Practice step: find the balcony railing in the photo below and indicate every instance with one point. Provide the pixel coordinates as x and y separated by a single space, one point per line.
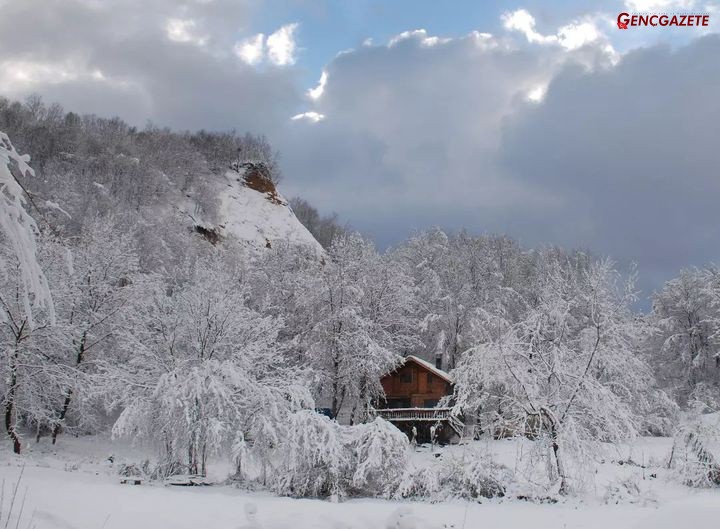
422 414
414 414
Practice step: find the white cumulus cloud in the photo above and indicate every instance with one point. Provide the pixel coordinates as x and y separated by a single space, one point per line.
278 48
646 6
317 92
281 45
311 116
252 49
421 35
570 36
576 35
521 20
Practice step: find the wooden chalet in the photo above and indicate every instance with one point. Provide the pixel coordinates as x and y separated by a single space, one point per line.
412 396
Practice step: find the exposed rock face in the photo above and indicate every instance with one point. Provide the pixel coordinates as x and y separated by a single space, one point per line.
254 212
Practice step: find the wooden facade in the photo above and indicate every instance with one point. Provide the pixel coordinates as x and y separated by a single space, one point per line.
415 385
412 394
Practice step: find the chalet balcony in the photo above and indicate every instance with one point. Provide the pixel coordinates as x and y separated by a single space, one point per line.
404 418
413 414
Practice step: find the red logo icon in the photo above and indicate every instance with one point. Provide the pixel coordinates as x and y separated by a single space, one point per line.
622 25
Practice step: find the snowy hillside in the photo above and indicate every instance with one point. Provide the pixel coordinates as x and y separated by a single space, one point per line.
252 210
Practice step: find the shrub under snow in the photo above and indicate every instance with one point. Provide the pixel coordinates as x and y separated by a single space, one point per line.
317 457
314 457
471 475
694 458
379 452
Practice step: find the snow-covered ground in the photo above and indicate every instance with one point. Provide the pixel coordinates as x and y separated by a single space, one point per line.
74 485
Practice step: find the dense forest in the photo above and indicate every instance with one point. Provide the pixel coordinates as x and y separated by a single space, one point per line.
134 322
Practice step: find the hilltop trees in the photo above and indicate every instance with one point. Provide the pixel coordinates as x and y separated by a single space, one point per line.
325 228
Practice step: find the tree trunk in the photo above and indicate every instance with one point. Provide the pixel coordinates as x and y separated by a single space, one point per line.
338 394
335 406
360 408
192 459
552 426
10 403
61 416
68 394
203 467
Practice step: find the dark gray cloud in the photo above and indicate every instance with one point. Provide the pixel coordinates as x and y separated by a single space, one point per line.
618 158
630 152
412 133
414 127
168 61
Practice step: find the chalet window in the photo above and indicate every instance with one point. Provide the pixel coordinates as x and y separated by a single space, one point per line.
398 403
431 403
406 377
429 378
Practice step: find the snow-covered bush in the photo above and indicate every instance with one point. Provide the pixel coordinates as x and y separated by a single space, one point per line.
420 482
658 414
317 457
314 457
693 458
473 476
379 451
133 470
470 475
310 455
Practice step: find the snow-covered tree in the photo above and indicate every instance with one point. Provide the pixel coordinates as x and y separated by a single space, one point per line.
456 277
202 369
685 342
31 367
359 307
566 372
18 229
94 282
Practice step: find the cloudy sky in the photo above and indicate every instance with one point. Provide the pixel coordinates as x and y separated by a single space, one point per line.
541 120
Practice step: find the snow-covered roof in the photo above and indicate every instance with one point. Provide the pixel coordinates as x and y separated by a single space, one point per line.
427 365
